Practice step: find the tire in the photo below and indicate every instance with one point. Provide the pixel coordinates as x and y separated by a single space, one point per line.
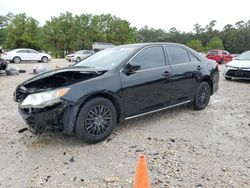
44 59
96 120
202 96
228 78
78 59
16 59
222 61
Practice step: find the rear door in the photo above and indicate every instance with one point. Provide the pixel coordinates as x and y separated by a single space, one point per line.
148 88
33 55
22 54
186 69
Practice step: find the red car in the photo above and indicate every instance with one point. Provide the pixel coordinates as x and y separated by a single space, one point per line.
220 56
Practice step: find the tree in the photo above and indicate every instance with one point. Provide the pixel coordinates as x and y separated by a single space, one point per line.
23 31
196 45
146 34
215 43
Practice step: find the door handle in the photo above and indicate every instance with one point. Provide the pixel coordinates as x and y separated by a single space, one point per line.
166 73
198 67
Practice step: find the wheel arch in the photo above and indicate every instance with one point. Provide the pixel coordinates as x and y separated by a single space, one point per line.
16 57
106 95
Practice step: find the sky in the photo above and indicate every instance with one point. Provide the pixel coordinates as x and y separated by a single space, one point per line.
163 14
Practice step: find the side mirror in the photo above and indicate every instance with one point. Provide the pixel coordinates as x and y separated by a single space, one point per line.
131 68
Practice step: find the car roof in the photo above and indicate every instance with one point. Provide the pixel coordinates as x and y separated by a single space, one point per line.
151 43
22 49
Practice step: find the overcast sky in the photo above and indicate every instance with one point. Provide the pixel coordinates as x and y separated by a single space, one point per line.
164 14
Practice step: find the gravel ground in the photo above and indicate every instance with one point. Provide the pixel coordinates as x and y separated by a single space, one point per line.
183 147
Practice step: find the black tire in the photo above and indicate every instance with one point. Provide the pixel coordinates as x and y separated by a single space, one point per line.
202 96
96 120
228 78
16 59
44 59
222 61
78 59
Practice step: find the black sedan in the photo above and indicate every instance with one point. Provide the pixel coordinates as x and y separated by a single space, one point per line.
128 81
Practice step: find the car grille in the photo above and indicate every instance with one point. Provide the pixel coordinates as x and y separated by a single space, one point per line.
238 73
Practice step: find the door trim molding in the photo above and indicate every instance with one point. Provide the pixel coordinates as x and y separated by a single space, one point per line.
160 109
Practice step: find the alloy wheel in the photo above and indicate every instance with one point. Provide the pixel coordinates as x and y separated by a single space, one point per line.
203 95
98 120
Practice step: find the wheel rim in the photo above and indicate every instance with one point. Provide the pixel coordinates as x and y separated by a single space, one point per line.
44 60
98 120
78 59
203 95
16 60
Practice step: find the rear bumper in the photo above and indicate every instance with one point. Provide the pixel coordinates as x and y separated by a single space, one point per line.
39 120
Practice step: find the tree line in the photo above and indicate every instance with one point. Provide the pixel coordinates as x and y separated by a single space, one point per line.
67 32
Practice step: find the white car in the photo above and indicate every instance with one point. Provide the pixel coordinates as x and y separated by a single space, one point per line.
25 54
239 68
79 55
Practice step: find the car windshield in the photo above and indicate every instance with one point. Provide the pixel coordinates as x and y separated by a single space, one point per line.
244 56
107 58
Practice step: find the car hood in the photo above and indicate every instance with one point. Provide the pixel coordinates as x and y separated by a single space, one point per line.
239 63
55 79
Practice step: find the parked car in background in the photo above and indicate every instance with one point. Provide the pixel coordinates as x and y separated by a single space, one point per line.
26 54
220 56
116 84
79 55
239 68
3 63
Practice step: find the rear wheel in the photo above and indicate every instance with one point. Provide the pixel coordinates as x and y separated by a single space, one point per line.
228 78
16 60
78 59
96 120
202 96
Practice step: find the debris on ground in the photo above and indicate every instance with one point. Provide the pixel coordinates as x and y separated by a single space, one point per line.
39 69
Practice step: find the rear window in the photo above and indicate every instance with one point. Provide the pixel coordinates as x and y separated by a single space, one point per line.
212 53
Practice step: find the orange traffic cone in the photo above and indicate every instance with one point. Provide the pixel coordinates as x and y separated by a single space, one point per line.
141 176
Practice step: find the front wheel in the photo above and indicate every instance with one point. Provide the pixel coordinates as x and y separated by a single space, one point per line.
44 59
96 120
202 96
16 60
78 59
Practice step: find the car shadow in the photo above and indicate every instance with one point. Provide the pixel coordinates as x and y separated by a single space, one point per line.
56 138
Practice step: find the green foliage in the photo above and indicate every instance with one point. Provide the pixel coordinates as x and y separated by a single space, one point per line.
66 33
195 44
22 31
215 43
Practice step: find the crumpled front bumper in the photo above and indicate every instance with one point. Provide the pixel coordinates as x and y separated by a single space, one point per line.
41 119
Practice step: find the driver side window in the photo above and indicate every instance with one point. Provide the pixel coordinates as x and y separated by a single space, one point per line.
151 57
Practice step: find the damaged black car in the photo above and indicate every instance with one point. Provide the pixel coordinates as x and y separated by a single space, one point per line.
89 98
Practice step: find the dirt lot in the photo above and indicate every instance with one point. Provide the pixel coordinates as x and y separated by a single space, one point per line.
183 147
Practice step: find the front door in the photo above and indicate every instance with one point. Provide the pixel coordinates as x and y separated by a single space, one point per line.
148 88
